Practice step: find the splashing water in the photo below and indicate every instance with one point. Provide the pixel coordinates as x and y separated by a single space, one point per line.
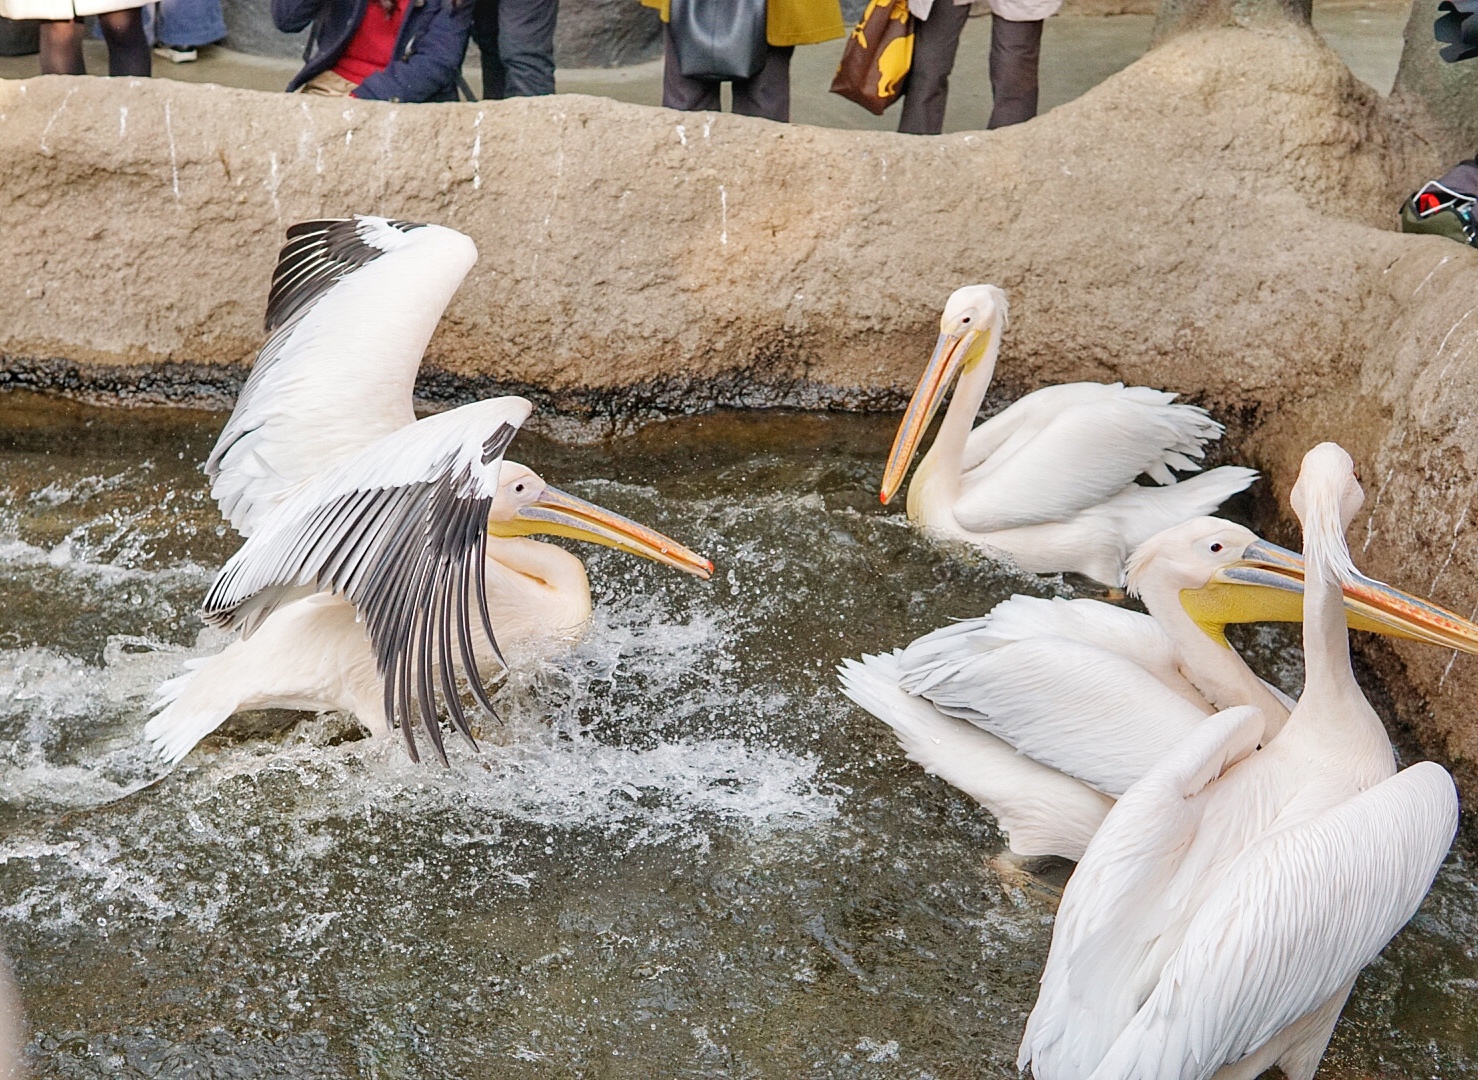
681 853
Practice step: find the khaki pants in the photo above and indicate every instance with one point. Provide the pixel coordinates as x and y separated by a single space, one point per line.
328 84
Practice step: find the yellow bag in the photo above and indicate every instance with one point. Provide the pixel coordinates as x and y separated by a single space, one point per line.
877 56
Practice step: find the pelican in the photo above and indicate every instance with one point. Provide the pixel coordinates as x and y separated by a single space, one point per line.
370 534
1045 711
312 654
1218 919
1051 479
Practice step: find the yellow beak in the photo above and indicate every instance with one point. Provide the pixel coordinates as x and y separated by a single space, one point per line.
557 513
949 352
1267 584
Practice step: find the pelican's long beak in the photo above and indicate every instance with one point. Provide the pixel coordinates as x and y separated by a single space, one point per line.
949 351
557 513
1267 584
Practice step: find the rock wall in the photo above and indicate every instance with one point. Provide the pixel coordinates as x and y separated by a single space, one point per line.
1216 219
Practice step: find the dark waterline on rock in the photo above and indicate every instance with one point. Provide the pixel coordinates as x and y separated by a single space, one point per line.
683 854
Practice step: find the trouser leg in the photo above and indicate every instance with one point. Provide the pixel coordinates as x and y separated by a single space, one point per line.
485 33
935 41
61 48
524 47
1015 52
678 90
768 93
128 48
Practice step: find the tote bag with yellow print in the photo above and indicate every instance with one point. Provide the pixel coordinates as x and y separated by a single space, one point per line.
877 56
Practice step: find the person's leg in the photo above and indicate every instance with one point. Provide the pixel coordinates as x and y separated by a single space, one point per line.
61 47
935 41
526 46
485 33
768 93
1015 50
681 92
128 48
187 24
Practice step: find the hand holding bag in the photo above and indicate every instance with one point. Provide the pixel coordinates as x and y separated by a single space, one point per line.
718 39
877 56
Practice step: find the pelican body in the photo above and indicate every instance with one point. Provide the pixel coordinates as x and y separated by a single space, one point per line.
1050 480
386 548
313 654
1219 917
1046 711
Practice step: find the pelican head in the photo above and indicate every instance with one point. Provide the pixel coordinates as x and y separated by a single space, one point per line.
1227 574
1326 497
526 506
973 321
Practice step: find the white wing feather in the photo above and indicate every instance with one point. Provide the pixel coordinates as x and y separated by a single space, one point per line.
1060 461
1131 634
1298 915
1136 883
353 305
1041 811
1092 714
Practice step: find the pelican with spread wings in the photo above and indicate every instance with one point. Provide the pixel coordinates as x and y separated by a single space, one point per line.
1051 479
383 554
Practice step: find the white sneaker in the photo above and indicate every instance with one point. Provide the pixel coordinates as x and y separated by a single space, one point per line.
175 54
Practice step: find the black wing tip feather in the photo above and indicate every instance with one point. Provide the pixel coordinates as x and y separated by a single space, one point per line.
318 254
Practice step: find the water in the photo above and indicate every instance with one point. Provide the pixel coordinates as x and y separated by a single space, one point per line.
683 854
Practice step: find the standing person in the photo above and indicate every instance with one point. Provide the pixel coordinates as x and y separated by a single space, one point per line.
1015 53
182 27
379 50
516 39
788 23
62 29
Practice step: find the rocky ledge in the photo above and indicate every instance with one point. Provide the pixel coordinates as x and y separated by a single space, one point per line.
1216 219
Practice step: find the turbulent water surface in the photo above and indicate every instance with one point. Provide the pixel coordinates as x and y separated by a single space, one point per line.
683 853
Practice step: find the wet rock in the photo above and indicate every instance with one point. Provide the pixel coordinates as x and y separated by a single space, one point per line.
1216 219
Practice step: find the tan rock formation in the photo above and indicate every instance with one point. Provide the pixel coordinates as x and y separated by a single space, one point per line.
1215 219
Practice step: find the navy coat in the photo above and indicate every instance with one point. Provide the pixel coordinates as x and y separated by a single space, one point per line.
428 53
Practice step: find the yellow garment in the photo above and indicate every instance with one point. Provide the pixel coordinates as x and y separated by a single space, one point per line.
790 22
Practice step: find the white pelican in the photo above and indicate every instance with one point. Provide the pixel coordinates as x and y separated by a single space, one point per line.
339 489
1045 711
1050 480
313 654
1219 917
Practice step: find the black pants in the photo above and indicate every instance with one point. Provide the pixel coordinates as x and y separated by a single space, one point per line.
516 38
766 94
1015 50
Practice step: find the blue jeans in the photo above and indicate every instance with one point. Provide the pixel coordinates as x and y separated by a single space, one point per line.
188 22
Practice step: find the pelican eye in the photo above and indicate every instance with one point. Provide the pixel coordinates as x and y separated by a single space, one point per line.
1215 547
518 488
965 319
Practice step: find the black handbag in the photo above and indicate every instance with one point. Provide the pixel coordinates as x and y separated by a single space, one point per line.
718 39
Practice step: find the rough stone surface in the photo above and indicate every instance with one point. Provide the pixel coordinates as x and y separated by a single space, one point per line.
1236 247
1436 96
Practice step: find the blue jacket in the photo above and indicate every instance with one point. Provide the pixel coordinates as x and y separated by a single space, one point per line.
428 53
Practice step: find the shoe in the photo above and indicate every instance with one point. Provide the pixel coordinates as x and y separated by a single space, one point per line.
1439 210
175 54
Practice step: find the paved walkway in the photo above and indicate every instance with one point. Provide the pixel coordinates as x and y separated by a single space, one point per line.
1078 52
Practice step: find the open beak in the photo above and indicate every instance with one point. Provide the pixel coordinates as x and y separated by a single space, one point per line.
944 365
556 513
1267 584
